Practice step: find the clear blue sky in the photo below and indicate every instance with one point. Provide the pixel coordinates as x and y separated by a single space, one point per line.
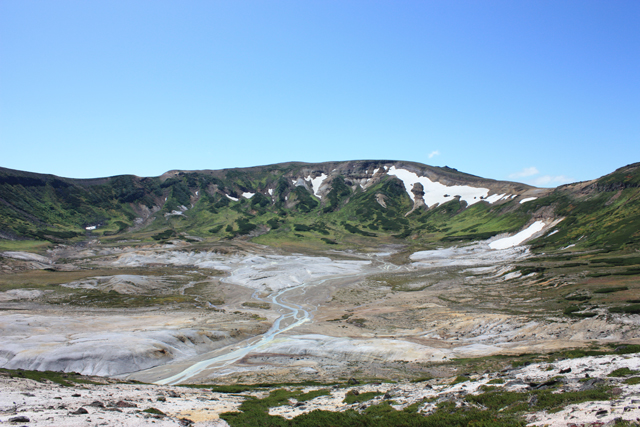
538 91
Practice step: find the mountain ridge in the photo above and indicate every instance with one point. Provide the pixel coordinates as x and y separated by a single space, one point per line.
338 202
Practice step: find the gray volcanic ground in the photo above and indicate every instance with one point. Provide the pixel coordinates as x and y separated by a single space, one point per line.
254 314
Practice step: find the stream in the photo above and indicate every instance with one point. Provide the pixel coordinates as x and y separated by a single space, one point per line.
295 313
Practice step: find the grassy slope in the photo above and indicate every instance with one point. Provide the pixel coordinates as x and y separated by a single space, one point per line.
603 214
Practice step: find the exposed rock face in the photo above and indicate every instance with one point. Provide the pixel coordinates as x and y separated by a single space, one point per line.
56 342
418 201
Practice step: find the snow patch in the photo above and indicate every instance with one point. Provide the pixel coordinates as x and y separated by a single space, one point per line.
316 183
528 199
91 227
270 191
494 198
231 198
434 192
248 195
477 253
516 239
552 233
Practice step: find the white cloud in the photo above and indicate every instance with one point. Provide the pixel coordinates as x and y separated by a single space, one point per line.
550 181
434 153
525 172
541 181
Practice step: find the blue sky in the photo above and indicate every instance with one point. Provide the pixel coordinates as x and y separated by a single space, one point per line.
544 92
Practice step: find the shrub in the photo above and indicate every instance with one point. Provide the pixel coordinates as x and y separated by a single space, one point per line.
611 290
629 309
622 372
164 235
352 397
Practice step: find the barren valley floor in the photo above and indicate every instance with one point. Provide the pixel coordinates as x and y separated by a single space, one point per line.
242 313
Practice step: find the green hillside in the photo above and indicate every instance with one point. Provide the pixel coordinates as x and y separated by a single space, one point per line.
280 205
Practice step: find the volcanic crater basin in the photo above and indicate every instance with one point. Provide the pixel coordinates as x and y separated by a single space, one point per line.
255 314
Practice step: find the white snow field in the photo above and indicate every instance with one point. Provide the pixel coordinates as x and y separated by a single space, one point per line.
516 239
248 195
528 199
436 193
316 183
477 253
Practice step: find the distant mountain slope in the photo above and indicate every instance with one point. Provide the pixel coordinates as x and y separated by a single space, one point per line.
364 201
603 213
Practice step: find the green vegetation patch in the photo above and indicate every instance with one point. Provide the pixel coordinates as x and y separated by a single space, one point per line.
628 309
261 305
167 234
538 400
91 297
577 297
622 372
460 379
66 379
611 290
618 262
255 414
244 226
154 411
352 396
574 310
355 230
526 270
614 349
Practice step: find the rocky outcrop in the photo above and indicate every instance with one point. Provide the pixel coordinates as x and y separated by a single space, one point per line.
418 201
380 199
